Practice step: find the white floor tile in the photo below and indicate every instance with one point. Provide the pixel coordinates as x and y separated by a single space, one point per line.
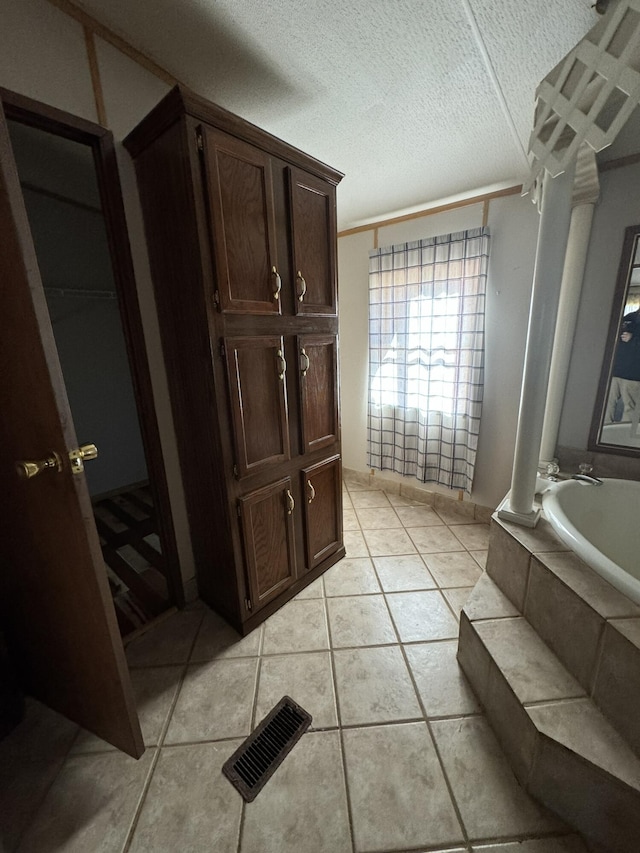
303 807
399 798
307 678
374 686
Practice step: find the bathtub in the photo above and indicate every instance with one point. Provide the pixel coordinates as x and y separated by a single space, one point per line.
602 525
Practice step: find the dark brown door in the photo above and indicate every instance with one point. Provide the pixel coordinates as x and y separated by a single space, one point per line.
319 390
268 536
54 597
322 491
256 370
240 190
313 226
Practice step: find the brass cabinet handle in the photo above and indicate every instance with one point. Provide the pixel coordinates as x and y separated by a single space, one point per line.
282 364
306 363
28 469
278 283
291 504
303 286
81 455
312 491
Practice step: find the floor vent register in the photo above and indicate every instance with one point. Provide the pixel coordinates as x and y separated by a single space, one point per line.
256 760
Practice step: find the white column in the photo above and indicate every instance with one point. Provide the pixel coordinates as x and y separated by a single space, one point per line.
586 190
550 252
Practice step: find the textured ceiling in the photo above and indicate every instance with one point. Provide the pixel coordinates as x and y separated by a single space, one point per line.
415 100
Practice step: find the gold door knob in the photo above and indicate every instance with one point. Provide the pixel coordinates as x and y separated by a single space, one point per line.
79 456
31 468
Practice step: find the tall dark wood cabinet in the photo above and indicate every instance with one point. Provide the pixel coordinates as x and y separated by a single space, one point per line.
241 230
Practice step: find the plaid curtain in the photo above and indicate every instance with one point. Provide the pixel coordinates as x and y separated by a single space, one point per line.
426 356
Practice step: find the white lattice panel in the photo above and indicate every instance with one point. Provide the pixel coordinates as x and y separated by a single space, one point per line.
590 94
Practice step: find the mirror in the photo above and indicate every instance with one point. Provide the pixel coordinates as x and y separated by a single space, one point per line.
616 420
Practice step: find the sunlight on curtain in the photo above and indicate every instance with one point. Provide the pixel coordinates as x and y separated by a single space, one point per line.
426 356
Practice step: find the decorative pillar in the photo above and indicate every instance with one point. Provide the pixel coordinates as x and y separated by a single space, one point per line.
586 190
550 253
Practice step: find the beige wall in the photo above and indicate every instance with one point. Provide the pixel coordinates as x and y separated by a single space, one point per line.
43 55
513 222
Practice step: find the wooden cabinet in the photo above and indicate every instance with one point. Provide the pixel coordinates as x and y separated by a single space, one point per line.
322 488
319 391
241 230
313 224
239 190
269 540
256 370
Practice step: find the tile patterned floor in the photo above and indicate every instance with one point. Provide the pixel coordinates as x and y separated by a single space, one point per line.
399 756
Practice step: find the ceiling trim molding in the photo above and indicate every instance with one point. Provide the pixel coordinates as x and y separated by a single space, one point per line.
96 83
482 47
97 29
485 198
619 163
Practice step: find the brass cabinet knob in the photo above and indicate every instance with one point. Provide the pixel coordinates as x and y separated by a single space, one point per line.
291 504
302 286
305 362
277 283
282 364
312 491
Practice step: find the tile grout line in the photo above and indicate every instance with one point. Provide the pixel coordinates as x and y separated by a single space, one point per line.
163 733
339 722
454 803
320 729
252 725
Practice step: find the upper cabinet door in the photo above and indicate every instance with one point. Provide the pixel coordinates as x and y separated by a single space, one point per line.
318 356
256 370
313 227
241 210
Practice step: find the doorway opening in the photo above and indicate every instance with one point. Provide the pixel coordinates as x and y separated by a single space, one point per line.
70 187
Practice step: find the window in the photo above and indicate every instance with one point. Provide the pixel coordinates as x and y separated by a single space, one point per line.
426 356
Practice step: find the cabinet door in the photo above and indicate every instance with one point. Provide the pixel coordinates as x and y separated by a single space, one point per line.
318 356
256 370
268 537
313 233
322 491
241 210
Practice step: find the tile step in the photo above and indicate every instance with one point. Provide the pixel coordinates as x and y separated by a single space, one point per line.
561 748
591 627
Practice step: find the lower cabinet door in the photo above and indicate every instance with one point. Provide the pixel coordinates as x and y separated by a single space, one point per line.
269 540
322 491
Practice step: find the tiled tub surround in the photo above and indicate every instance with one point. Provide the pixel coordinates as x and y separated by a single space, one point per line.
553 654
399 758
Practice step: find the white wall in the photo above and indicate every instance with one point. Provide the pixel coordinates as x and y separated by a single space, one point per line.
619 207
513 222
43 56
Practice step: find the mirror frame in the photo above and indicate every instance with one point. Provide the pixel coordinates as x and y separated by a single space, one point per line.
631 236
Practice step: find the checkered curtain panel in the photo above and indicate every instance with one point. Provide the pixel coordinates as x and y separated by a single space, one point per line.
426 356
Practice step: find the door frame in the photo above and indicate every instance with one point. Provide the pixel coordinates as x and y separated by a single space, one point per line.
44 117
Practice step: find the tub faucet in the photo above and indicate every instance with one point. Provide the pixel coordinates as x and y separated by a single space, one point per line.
585 478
